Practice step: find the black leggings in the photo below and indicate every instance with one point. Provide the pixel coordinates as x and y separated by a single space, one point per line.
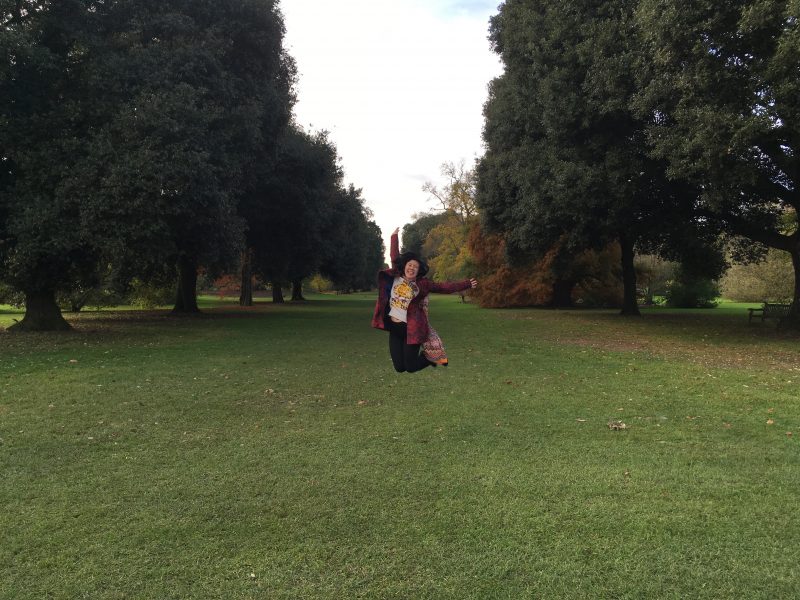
405 357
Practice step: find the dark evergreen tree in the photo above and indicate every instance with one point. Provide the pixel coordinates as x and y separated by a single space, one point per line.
289 208
724 102
567 158
302 220
128 132
354 249
202 90
46 108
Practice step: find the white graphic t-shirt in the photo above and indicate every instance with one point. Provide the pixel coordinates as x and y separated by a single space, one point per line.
403 292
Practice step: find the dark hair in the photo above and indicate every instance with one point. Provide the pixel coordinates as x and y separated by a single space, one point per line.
401 261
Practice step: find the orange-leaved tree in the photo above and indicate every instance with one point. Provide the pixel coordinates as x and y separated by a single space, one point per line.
558 279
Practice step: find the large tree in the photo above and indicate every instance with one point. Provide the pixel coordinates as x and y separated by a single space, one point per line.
354 249
725 102
567 161
457 195
46 108
128 130
289 208
445 244
203 90
302 220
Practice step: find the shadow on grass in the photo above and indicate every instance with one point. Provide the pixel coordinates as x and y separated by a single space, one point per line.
711 337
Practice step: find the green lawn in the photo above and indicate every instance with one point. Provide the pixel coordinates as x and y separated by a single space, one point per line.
273 452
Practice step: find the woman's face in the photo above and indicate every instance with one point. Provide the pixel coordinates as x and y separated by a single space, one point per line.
411 269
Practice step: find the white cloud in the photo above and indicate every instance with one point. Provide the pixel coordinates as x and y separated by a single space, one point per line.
400 86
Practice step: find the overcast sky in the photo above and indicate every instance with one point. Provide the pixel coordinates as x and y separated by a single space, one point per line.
400 85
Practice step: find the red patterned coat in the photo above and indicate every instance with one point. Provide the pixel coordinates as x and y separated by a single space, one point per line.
417 319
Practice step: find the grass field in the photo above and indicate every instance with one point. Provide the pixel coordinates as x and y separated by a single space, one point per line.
272 452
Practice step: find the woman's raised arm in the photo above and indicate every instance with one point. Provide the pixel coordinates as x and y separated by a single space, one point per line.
394 245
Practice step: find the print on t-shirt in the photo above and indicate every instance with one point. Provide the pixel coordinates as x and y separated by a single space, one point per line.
403 293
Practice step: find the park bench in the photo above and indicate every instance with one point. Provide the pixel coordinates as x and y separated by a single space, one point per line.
769 310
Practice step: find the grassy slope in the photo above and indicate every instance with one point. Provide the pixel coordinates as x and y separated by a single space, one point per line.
273 453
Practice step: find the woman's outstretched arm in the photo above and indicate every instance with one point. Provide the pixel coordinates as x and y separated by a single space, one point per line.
453 286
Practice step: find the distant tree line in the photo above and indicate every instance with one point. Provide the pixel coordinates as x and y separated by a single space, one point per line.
141 140
662 127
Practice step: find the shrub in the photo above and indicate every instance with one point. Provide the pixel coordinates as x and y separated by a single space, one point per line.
770 279
150 295
9 295
95 297
320 284
227 285
692 293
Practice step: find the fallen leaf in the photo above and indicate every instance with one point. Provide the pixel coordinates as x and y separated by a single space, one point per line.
770 410
72 360
770 422
788 434
581 420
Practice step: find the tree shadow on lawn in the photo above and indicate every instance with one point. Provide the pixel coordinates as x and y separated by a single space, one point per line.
109 327
702 337
106 327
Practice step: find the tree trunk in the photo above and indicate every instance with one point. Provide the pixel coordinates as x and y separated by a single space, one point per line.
297 290
792 321
186 300
629 305
277 293
246 294
41 313
562 293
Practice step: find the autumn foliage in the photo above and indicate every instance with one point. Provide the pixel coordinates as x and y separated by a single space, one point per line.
228 285
557 279
503 285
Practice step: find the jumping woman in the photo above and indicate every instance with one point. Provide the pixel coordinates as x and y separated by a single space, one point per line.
400 310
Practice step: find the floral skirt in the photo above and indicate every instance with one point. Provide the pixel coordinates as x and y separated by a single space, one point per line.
432 347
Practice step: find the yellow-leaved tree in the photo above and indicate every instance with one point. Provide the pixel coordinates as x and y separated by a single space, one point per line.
446 244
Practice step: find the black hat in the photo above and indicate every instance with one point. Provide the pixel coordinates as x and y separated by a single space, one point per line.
400 263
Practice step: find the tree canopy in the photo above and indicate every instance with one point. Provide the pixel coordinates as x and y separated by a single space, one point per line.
201 92
725 100
576 163
302 219
640 122
44 113
136 138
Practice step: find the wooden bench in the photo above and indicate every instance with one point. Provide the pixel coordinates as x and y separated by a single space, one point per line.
769 311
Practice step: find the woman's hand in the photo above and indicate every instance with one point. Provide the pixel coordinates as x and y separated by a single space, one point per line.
396 231
473 283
